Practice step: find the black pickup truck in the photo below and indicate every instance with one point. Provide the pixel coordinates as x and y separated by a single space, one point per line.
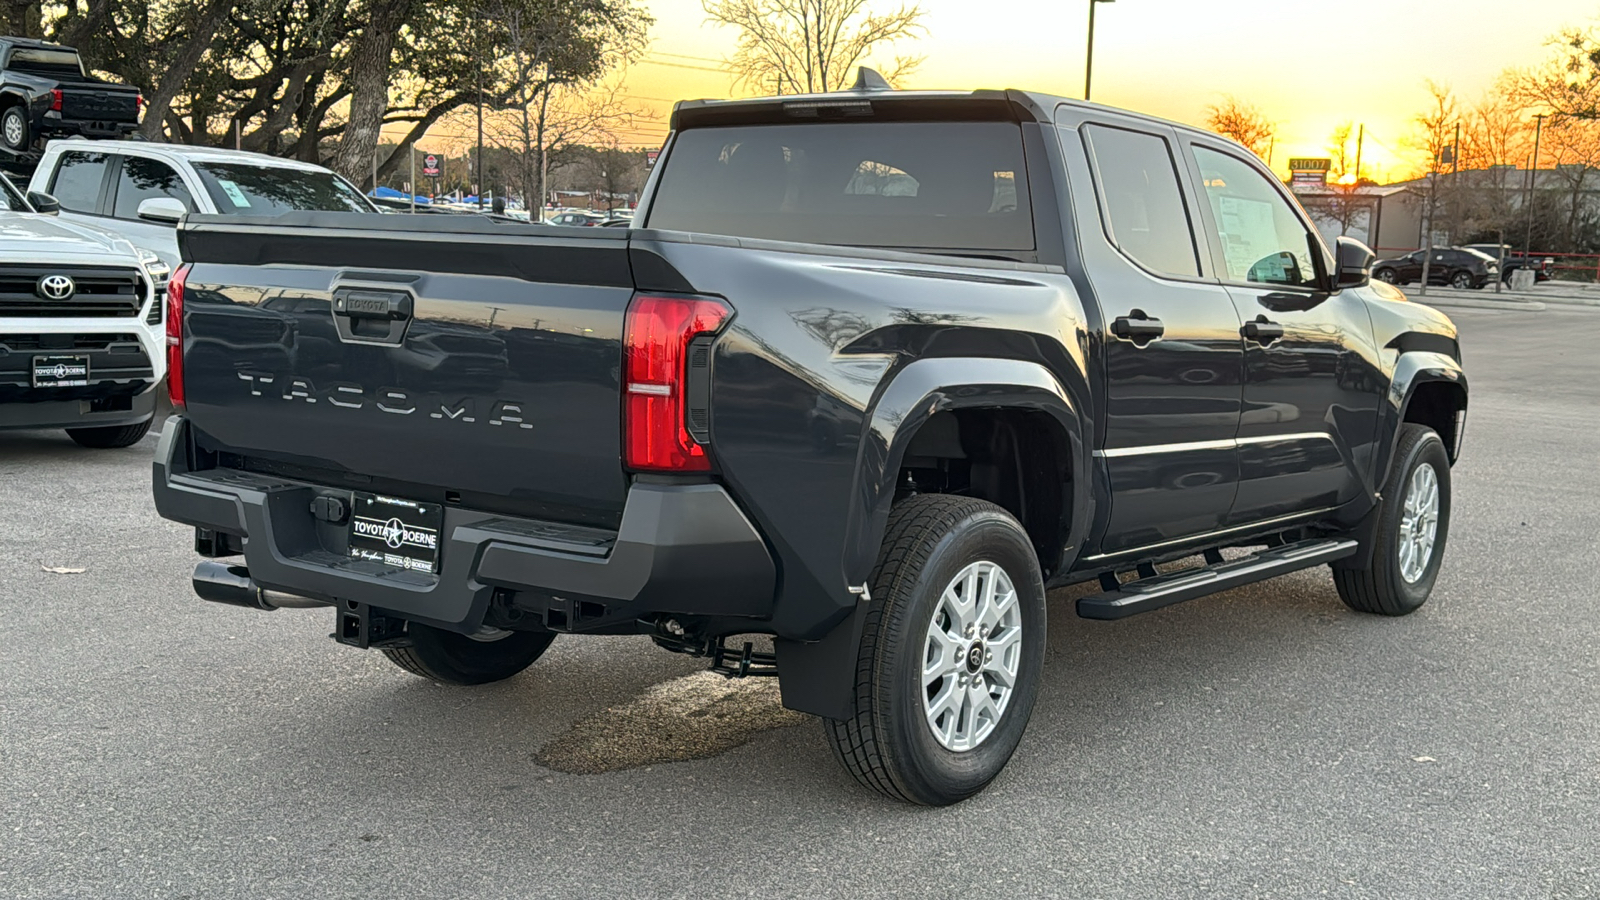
45 92
874 370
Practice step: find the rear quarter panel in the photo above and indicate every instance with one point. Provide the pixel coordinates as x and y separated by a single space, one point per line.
817 339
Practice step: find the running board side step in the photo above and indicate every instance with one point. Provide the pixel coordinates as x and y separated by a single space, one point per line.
1157 591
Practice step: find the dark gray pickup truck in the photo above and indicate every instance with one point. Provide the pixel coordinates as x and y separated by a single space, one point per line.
45 92
874 370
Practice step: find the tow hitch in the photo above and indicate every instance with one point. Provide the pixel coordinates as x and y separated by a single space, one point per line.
745 662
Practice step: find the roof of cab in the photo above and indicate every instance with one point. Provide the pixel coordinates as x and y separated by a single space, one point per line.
889 105
187 152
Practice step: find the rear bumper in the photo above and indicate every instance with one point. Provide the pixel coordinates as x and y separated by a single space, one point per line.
51 123
682 549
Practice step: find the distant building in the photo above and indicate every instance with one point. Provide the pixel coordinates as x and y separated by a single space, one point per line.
1388 218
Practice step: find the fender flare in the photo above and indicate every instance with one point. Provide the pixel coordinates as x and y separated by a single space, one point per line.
1413 368
933 385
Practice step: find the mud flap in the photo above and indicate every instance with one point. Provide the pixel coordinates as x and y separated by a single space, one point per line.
819 677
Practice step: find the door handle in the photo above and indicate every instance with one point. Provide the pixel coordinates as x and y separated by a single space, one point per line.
1262 331
393 306
1138 327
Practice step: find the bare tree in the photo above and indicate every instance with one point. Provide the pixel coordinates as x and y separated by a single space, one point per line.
1242 122
1435 127
1339 149
557 51
812 46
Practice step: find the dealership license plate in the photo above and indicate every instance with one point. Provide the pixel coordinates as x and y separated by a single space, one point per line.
60 371
395 532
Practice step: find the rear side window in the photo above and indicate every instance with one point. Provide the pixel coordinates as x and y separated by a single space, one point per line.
146 179
77 181
914 185
1141 200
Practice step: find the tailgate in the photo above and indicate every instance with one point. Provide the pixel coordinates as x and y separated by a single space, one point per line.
99 104
433 358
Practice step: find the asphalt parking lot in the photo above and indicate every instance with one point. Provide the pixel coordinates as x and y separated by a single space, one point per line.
1264 743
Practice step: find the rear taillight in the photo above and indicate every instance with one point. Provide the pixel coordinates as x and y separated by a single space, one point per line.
656 380
175 336
55 99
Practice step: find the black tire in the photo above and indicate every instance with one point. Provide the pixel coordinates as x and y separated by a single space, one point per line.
1387 276
108 437
1381 588
888 744
451 658
15 131
1462 281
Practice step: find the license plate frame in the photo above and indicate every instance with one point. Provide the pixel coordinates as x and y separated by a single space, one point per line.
57 371
405 534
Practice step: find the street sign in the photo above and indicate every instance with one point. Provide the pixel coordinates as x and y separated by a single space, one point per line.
650 157
430 166
1303 170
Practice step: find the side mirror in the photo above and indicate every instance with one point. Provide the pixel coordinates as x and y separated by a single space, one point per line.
1352 263
43 203
162 209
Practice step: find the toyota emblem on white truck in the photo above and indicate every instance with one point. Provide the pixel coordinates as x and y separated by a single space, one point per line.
56 287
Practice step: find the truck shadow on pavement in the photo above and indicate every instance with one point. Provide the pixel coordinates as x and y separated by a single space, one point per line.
1107 686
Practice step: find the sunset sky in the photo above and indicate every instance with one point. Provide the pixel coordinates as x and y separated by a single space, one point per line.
1307 66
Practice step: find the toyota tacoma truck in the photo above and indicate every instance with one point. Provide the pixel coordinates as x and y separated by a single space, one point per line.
45 92
873 371
82 346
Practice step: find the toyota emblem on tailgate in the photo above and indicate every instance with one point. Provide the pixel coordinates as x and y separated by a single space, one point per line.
56 287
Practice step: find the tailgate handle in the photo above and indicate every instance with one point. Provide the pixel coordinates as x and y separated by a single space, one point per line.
372 315
364 303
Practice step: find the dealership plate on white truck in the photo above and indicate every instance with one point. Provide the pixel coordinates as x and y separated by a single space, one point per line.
60 371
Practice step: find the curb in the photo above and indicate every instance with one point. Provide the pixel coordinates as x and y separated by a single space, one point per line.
1471 303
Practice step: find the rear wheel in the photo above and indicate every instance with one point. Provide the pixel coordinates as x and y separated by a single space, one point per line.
14 130
451 658
1461 280
1387 276
1412 526
951 654
107 437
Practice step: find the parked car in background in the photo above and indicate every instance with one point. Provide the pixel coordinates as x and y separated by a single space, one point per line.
44 92
580 219
1457 267
1543 266
82 342
140 190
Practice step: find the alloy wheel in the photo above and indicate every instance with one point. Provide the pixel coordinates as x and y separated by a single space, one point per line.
971 656
1419 523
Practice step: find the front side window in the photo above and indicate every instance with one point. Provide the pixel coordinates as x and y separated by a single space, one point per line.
77 181
244 190
1261 238
957 186
1142 202
147 179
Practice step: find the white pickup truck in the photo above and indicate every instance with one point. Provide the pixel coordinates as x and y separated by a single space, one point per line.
82 340
141 189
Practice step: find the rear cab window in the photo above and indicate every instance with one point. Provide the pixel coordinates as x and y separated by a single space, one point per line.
1145 215
948 186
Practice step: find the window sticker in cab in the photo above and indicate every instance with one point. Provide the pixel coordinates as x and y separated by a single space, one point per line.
234 194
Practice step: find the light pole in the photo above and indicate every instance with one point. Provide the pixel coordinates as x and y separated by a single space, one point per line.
1533 184
1088 65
